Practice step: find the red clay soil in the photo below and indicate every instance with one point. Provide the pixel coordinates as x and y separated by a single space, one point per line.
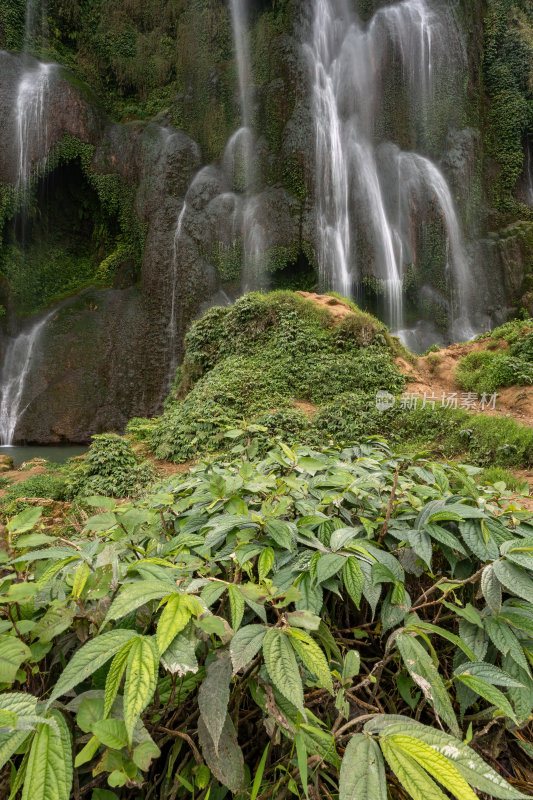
338 308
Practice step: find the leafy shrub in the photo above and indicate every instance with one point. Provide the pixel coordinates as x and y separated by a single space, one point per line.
48 485
110 468
497 475
487 371
224 655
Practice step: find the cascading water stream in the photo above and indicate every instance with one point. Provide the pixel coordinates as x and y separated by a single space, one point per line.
529 174
172 325
363 188
241 147
15 368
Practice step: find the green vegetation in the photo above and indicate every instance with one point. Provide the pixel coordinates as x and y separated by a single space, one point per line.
508 76
266 353
192 642
485 371
496 476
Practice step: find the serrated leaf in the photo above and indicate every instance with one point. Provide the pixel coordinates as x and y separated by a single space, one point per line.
49 767
304 619
312 656
491 589
236 601
412 777
88 659
174 617
471 766
245 645
487 672
420 625
282 668
436 764
114 676
354 580
489 693
141 680
281 533
312 595
351 665
328 565
25 521
134 595
91 710
515 579
80 579
472 534
111 733
362 774
87 752
10 741
425 674
505 640
144 754
228 765
13 652
213 697
180 656
265 562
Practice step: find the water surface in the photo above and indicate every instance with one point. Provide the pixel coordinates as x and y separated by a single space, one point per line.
57 455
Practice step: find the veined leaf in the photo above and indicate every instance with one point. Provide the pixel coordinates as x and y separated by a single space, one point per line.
425 674
236 601
213 697
362 774
492 591
412 777
265 562
114 676
141 680
436 764
354 580
87 753
88 659
228 765
10 741
111 733
515 579
245 645
312 656
487 672
13 652
328 565
489 693
80 579
471 766
180 656
175 616
49 768
505 640
25 521
134 595
282 668
419 624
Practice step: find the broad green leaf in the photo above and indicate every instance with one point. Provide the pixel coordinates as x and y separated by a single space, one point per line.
141 680
489 693
213 697
301 758
228 765
304 619
91 710
282 668
515 579
312 656
353 578
101 522
245 645
505 640
10 741
436 764
174 617
281 533
487 672
351 665
49 769
144 754
25 521
134 595
111 733
492 591
88 659
180 658
472 534
362 774
236 601
414 623
265 562
13 652
312 594
80 579
471 766
87 753
412 777
114 676
425 674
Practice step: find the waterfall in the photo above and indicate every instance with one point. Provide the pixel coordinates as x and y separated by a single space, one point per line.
172 325
240 152
365 187
15 369
529 174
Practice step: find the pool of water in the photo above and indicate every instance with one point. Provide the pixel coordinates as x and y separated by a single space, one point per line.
57 455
